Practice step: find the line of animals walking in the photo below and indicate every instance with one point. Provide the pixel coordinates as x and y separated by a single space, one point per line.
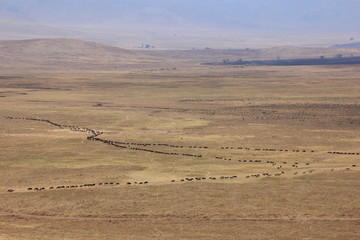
273 163
182 180
187 179
130 145
71 128
344 153
119 145
287 150
124 145
268 149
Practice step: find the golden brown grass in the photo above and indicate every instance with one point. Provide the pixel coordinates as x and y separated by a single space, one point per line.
222 108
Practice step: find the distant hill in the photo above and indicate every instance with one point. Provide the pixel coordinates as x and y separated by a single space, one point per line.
348 45
72 54
66 53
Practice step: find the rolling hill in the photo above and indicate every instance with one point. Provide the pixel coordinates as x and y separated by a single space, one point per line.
66 54
71 54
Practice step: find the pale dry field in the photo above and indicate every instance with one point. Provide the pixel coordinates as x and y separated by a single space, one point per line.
258 143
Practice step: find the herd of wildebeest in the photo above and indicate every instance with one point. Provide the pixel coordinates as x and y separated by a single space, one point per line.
126 145
267 149
131 146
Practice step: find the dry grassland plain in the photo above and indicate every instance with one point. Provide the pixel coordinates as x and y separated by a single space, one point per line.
221 152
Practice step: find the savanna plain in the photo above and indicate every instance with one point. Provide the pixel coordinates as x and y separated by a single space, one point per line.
186 151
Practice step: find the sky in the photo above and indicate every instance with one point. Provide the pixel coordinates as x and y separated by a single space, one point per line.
316 15
286 16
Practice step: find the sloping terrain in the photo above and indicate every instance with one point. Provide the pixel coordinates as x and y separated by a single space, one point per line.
65 54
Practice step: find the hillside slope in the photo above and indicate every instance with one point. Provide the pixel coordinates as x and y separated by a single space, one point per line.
66 53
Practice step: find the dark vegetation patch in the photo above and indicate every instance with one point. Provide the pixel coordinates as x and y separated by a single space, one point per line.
347 45
29 86
294 62
9 77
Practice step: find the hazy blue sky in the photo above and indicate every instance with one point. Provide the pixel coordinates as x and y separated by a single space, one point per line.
184 24
311 15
